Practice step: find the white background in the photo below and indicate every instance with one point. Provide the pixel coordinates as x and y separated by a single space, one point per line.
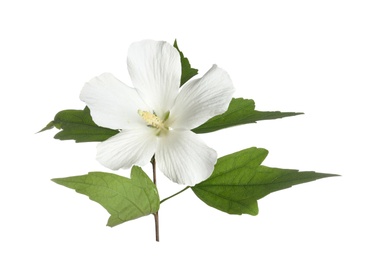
303 56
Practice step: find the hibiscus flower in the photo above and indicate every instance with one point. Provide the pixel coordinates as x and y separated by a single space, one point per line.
156 116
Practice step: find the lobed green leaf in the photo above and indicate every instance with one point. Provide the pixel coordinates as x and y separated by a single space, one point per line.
240 111
239 180
187 72
78 125
125 199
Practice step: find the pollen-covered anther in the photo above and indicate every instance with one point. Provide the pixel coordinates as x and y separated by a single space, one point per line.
153 120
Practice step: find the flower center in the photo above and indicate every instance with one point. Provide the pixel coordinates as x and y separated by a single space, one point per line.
154 121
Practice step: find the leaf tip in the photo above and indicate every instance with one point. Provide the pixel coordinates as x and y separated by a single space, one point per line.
49 126
109 225
326 175
298 113
57 180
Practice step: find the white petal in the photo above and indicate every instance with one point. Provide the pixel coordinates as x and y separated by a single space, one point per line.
184 158
201 99
112 103
155 70
129 147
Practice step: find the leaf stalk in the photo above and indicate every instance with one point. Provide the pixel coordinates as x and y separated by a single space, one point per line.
177 193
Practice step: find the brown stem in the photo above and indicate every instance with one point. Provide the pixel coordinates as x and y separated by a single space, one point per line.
157 228
153 161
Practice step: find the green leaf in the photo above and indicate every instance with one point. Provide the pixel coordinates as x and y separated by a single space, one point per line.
78 125
187 71
239 180
240 111
125 199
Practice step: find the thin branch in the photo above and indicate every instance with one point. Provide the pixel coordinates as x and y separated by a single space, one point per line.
177 193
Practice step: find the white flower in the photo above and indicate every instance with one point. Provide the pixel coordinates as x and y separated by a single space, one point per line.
155 117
